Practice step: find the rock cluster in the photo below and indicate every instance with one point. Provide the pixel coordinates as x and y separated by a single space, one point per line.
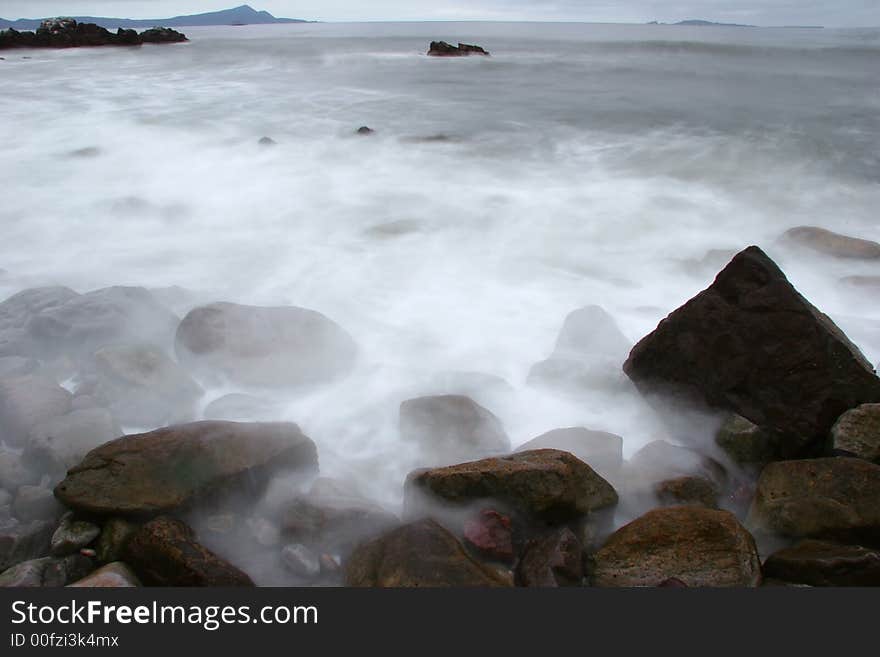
68 33
443 49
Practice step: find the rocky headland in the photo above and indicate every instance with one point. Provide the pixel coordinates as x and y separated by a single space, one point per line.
68 33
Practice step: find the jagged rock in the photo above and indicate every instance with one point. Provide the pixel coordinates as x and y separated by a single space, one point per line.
443 49
451 428
490 534
685 491
250 345
143 387
72 535
68 33
59 443
857 433
588 354
746 443
820 563
46 572
752 345
113 575
831 243
26 401
300 560
24 541
828 498
545 484
601 450
418 554
700 547
164 552
175 466
114 535
35 503
551 561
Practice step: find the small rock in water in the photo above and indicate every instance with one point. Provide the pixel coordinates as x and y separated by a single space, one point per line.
72 535
364 130
88 151
443 49
490 534
267 141
301 561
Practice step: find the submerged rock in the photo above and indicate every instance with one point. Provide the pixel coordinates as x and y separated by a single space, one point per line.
27 401
831 243
250 345
820 563
752 345
699 547
451 428
164 552
828 498
418 554
175 466
365 131
57 444
857 433
545 484
443 49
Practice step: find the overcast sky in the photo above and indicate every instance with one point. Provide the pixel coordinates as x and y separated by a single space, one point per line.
832 13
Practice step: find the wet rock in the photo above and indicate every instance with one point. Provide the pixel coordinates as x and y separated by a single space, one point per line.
176 466
490 534
162 35
545 484
443 49
17 311
418 554
24 541
72 535
25 402
46 572
700 547
857 433
114 535
250 345
688 491
60 443
68 33
35 503
451 428
588 354
752 345
821 563
113 575
143 387
365 131
746 443
333 522
551 561
238 407
831 243
601 450
828 498
164 552
301 561
14 473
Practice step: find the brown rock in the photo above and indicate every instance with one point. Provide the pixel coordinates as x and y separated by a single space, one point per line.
857 433
685 491
490 534
700 547
113 575
831 243
831 498
164 552
173 467
420 554
820 563
554 560
545 484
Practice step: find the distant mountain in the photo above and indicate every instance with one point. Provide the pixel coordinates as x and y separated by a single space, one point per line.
243 15
701 23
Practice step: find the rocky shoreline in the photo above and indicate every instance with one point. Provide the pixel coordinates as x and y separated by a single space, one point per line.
785 492
68 33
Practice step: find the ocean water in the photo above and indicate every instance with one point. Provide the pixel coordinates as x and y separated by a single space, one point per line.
583 164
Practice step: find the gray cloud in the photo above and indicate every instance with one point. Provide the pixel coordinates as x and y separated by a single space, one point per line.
850 13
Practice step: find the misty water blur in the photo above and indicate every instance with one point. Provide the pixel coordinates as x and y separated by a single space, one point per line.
587 164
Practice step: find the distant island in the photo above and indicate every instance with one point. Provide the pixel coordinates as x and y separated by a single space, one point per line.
243 15
702 23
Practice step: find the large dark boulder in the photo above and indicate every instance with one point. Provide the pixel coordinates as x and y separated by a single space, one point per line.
699 547
449 428
828 498
421 554
176 466
162 35
165 552
264 346
751 344
821 563
545 484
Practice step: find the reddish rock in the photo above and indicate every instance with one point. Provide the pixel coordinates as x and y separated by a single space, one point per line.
490 534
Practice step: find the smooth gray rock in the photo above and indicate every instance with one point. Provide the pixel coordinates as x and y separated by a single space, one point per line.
47 572
60 443
72 535
25 402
